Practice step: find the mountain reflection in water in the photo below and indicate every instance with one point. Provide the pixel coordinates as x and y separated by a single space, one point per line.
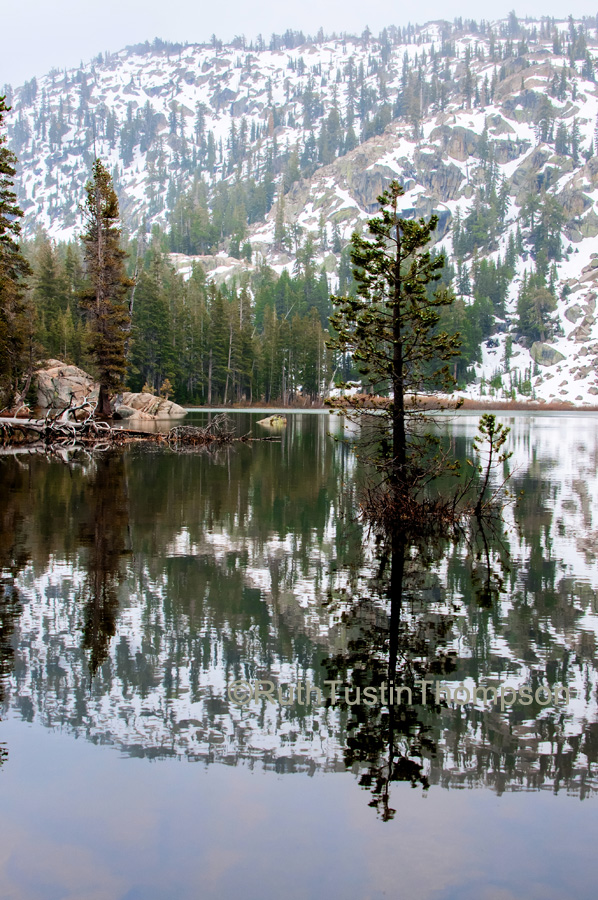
137 585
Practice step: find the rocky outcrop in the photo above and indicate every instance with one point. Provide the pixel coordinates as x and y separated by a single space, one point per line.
443 180
127 412
526 105
366 182
583 332
156 407
573 313
574 203
458 142
496 125
60 385
523 179
589 225
507 151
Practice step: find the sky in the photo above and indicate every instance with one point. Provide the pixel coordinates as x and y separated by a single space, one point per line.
37 35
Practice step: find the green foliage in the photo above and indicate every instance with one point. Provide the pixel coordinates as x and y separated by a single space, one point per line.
489 443
107 286
390 326
479 230
214 345
152 352
57 283
535 304
545 218
296 294
16 325
196 228
473 323
491 281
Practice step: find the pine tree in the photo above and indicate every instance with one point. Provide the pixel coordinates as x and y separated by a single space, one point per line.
390 326
534 307
279 229
104 297
151 356
16 343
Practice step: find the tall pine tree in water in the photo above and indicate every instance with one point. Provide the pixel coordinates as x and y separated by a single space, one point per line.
15 322
104 298
391 330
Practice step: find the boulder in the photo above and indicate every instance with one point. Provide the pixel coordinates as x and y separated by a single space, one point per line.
545 355
497 125
523 179
60 385
589 225
273 421
157 407
132 415
125 412
573 313
584 330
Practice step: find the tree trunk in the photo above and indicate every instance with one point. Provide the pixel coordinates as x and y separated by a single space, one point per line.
104 403
397 564
399 441
230 347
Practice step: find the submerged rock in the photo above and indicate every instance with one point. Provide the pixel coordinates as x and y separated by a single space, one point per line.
127 412
273 421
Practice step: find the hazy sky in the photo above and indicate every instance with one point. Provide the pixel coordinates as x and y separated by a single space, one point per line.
36 35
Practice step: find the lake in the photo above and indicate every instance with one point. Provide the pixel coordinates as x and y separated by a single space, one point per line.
194 650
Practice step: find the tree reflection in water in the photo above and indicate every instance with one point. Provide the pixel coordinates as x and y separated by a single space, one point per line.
403 634
13 556
105 533
170 576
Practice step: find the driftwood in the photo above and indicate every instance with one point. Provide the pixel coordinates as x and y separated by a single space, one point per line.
76 426
65 427
219 430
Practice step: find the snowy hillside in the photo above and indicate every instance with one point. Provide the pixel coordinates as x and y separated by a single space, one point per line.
244 152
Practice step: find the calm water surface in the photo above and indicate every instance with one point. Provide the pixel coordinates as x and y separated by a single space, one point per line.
137 586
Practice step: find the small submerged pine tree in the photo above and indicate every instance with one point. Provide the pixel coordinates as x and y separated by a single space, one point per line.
391 330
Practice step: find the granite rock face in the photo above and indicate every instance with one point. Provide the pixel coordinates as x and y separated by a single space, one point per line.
545 355
157 407
60 385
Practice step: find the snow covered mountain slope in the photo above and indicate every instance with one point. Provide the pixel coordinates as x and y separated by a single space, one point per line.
490 126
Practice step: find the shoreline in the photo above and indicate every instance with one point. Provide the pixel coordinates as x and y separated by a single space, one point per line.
428 403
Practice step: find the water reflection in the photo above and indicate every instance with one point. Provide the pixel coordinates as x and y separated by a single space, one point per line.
104 532
138 585
424 644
